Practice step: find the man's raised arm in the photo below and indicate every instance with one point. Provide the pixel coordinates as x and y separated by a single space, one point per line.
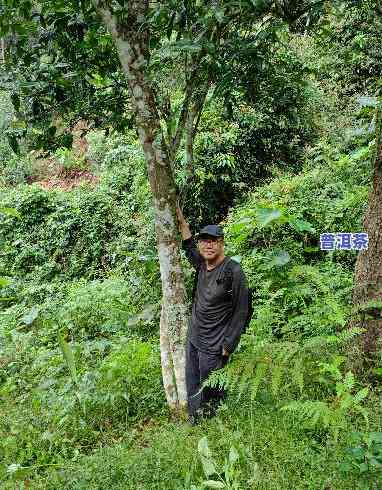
188 243
182 224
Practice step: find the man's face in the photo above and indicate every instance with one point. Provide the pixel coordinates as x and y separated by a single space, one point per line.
210 247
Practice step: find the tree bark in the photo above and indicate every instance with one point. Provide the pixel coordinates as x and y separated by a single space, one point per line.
130 36
2 44
368 269
189 143
166 363
192 122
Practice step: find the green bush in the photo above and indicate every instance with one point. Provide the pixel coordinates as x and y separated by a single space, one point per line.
69 161
364 458
131 381
67 233
103 308
123 387
329 195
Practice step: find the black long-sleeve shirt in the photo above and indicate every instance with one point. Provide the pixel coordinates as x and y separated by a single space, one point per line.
220 306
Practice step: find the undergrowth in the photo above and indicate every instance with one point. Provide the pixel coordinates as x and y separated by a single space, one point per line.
82 402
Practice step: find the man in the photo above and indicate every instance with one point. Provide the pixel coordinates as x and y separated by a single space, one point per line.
219 313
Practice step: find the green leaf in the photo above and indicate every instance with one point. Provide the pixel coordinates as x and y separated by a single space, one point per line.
203 448
377 371
278 259
233 455
185 45
361 395
357 453
376 437
301 225
267 215
3 282
68 356
349 380
213 484
10 212
375 462
208 466
219 14
241 225
344 467
31 316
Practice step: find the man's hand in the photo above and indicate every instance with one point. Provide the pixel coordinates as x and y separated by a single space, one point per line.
179 213
183 226
225 353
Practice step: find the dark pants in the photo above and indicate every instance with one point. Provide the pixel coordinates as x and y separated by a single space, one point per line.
198 366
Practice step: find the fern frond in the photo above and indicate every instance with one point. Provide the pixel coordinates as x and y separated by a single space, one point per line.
361 395
349 380
344 336
297 373
364 414
244 379
260 372
276 377
313 412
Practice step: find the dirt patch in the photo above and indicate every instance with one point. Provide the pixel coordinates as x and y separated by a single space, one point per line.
66 181
51 173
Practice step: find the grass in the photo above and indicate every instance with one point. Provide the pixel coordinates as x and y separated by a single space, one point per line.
275 453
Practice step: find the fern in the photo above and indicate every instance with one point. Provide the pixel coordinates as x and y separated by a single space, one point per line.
245 375
333 415
298 373
283 366
311 411
260 372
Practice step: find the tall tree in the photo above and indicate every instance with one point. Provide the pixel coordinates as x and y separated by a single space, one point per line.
367 295
131 37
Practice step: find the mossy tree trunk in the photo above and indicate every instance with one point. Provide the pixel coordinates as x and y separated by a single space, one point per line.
130 35
367 294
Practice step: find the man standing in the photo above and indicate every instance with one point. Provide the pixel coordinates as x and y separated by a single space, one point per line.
219 313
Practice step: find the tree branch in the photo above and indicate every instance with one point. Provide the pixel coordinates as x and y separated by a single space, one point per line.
174 146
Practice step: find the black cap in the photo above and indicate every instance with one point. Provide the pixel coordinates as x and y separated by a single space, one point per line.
211 230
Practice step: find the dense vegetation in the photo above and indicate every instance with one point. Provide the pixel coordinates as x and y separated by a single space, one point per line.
284 152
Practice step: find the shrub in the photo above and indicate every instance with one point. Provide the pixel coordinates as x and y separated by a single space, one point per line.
125 386
103 308
131 382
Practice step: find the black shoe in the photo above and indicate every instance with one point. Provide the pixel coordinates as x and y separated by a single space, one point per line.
193 420
209 410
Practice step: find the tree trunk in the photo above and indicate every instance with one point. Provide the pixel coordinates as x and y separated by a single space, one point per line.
2 49
192 122
166 363
130 36
368 270
189 143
